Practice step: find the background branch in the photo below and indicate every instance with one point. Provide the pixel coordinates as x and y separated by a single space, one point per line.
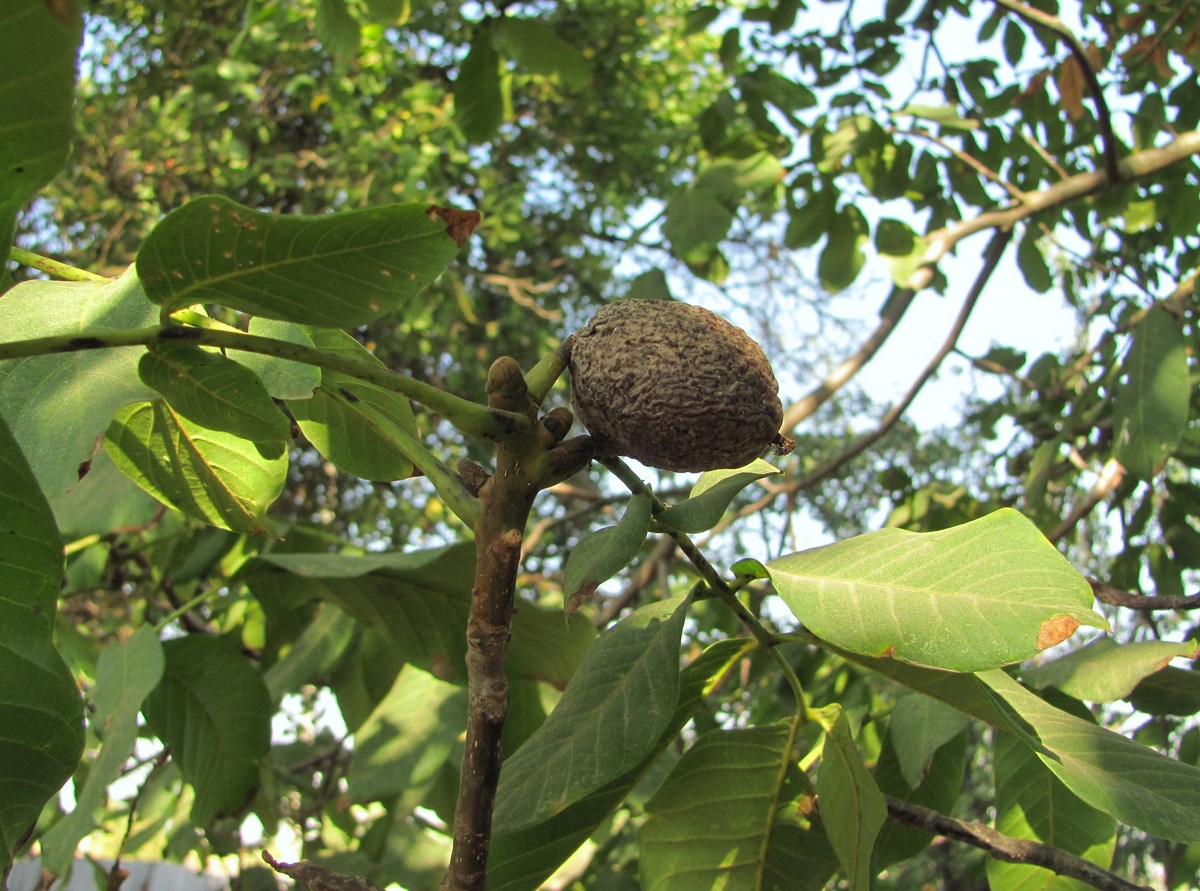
1007 848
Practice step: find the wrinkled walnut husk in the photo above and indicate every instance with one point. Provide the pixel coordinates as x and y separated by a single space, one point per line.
674 386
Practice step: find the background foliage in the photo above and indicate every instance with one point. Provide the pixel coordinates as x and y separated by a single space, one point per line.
278 654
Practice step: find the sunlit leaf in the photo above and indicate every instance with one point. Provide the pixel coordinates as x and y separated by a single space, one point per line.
57 406
338 270
1104 671
283 379
712 495
214 391
987 593
211 476
612 713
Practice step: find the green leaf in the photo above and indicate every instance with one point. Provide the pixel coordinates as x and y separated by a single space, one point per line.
1150 408
1104 671
77 393
650 285
314 654
842 257
980 595
919 726
894 237
728 179
610 716
481 100
282 378
808 223
209 475
41 714
401 747
1032 263
421 600
939 790
125 675
711 496
1116 775
1169 691
698 18
37 97
852 807
339 270
351 423
944 115
536 48
214 392
696 223
603 553
337 29
722 818
214 712
1032 804
524 858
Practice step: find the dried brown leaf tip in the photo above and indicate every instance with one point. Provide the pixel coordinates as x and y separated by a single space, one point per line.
674 386
459 223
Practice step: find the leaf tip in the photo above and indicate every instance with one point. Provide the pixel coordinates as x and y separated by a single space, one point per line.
1055 630
459 223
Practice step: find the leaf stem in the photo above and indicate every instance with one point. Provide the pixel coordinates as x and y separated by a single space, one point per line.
713 579
470 417
57 268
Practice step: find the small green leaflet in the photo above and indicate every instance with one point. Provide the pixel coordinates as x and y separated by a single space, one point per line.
605 552
711 496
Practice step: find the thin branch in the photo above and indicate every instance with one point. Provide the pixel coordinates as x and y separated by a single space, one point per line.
942 241
1113 596
967 158
469 417
992 255
1110 477
893 311
1006 848
1039 19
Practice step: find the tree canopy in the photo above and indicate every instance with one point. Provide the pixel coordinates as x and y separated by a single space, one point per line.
302 558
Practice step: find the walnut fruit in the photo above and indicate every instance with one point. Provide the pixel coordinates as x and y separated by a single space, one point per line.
674 386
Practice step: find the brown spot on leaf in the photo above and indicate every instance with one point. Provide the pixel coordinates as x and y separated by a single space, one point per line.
1055 630
580 597
889 653
459 223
